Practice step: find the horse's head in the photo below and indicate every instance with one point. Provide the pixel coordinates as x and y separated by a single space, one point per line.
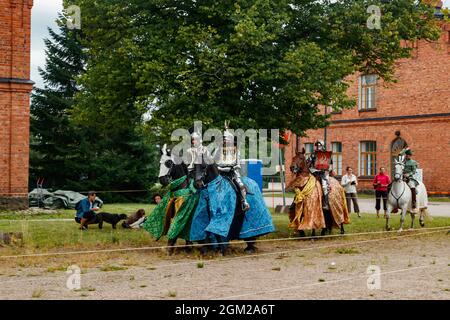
299 163
205 171
165 165
171 167
398 170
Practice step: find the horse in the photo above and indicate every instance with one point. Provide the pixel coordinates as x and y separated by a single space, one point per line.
400 197
307 212
219 216
172 216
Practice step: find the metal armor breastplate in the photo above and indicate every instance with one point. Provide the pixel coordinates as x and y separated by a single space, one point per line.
228 157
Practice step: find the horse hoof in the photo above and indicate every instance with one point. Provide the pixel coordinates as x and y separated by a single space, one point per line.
250 250
400 230
324 232
342 231
388 229
422 224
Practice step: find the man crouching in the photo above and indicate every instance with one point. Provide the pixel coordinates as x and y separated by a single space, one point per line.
86 211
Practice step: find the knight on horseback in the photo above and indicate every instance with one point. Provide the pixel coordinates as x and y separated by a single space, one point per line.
319 165
197 153
228 162
409 172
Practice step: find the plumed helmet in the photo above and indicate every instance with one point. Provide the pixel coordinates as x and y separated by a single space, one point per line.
319 142
228 137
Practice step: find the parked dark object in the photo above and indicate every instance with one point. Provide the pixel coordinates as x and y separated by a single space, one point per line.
60 199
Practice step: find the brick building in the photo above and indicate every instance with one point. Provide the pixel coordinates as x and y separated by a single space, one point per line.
15 88
414 112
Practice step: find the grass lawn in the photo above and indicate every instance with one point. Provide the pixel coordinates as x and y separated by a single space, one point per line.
42 232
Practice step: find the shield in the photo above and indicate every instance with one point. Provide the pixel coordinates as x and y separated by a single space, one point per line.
323 160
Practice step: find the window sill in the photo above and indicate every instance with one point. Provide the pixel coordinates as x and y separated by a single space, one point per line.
367 110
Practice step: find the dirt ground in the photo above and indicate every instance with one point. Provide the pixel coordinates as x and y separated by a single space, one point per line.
412 266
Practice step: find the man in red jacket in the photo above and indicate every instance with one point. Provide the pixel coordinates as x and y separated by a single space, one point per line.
381 183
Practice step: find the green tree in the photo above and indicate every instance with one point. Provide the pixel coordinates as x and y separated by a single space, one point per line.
261 63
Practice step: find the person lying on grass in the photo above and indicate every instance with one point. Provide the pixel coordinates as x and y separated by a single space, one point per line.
86 211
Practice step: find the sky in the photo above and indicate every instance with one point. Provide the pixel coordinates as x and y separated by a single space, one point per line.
44 15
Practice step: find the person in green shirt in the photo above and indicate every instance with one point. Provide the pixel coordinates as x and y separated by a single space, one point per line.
409 171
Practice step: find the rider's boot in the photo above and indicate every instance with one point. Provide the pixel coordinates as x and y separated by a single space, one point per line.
414 200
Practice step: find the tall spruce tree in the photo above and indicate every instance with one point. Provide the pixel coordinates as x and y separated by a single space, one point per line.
56 145
84 155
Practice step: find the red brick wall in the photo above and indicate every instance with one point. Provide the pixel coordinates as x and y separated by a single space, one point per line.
15 88
423 88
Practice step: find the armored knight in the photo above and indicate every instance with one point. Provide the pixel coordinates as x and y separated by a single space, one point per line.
197 153
319 165
409 172
228 162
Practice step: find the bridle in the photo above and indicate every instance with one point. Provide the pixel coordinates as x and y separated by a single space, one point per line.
397 180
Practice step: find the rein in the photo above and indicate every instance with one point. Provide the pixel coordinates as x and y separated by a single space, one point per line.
397 199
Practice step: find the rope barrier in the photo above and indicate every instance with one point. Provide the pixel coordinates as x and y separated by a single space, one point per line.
248 257
201 245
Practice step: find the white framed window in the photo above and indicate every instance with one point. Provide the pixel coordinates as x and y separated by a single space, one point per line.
367 92
367 158
309 149
336 148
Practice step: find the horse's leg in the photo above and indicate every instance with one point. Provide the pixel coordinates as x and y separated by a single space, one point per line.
342 228
413 215
402 218
388 216
328 222
170 244
313 233
301 233
188 247
222 245
203 248
251 248
422 217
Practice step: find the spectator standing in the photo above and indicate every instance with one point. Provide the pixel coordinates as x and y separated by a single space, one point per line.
349 182
381 183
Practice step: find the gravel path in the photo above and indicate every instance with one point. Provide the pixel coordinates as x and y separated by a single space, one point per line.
412 267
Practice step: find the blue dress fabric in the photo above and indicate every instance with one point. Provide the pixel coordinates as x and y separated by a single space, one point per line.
215 211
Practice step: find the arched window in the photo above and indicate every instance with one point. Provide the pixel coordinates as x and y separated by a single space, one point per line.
397 146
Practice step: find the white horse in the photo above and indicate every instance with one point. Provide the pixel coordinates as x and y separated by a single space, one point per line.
400 198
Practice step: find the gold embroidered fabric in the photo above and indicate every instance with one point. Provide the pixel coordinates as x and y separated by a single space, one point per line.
308 213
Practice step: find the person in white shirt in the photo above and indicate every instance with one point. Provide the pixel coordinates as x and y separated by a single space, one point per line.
349 182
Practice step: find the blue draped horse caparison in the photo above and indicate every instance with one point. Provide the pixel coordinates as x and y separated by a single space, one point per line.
216 210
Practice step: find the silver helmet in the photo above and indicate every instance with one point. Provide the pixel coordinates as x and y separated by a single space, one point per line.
196 139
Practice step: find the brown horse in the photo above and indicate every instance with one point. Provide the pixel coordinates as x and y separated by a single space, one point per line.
306 211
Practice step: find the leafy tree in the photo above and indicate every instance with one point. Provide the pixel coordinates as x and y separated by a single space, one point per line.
261 63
